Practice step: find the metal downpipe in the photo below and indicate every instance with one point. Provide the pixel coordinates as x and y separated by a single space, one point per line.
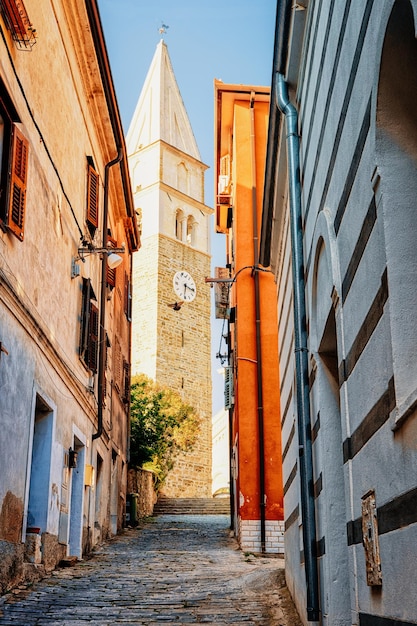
301 352
255 272
102 330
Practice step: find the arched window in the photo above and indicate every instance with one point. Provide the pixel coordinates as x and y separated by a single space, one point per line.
191 230
179 219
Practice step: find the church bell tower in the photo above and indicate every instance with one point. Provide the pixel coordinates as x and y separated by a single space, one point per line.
171 302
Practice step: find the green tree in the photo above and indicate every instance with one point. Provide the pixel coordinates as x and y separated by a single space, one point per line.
162 425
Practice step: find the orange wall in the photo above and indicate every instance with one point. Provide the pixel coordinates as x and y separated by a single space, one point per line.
246 394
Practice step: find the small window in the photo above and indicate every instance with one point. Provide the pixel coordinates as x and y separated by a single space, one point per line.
179 218
111 272
191 231
117 362
14 152
126 382
128 298
107 345
89 327
92 197
17 190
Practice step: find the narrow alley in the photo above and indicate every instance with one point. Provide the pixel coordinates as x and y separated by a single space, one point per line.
172 569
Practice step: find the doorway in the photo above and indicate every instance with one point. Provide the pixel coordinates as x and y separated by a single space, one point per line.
77 500
40 468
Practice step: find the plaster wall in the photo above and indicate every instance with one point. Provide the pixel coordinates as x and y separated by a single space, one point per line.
145 167
40 304
244 345
358 167
182 173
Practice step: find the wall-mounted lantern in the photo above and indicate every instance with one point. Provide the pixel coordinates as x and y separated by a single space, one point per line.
72 458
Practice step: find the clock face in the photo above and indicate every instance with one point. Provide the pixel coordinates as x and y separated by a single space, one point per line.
184 286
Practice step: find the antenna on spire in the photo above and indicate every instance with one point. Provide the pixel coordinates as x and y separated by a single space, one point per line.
163 29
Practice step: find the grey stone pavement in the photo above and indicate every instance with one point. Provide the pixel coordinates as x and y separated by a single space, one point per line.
172 569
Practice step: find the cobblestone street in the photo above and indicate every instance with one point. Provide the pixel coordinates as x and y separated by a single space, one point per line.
171 569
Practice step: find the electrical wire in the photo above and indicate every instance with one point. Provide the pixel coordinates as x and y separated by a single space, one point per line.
33 311
255 268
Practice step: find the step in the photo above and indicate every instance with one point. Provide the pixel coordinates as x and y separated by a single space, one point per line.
192 506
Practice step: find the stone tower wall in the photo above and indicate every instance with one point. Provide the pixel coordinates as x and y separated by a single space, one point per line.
173 347
184 361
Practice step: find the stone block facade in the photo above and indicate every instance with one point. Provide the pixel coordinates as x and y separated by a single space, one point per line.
141 482
250 536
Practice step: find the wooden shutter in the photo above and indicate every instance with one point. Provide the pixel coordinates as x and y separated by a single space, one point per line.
126 382
93 328
106 364
85 311
18 178
111 273
92 197
127 299
117 365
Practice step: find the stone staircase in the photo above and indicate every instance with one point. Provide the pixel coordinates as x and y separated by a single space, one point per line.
192 506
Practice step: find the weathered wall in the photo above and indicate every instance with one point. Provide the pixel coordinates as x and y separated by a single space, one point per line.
242 133
184 364
48 396
358 154
141 482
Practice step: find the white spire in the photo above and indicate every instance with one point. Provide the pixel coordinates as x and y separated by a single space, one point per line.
160 113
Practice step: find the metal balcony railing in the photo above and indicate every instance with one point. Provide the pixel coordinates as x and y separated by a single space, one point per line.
19 24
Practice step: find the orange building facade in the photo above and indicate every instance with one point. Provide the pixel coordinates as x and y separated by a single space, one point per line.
252 377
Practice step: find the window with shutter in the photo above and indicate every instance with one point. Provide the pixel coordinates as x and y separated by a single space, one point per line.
14 152
228 388
117 365
18 177
128 298
92 198
89 335
126 382
107 345
111 272
92 344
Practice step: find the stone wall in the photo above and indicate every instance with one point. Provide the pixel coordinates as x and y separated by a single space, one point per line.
173 347
141 482
184 363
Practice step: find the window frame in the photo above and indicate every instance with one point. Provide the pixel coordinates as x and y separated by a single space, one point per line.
127 300
14 169
89 327
92 201
111 272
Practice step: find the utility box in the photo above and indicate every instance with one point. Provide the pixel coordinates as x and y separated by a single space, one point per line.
132 509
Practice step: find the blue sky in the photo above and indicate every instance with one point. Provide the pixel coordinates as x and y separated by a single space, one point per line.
231 40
